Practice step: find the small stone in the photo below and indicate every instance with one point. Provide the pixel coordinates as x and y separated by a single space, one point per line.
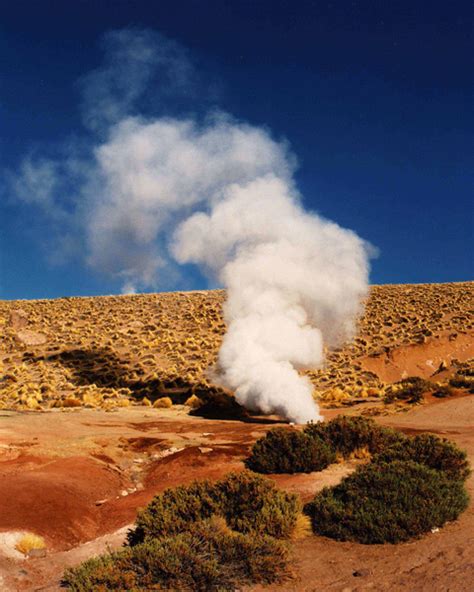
100 502
18 319
28 337
35 553
434 529
361 573
204 450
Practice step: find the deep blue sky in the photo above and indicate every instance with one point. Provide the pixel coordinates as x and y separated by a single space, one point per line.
375 99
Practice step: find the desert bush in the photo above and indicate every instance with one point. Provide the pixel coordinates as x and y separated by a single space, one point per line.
436 453
443 391
346 435
409 389
289 451
173 511
387 503
208 558
463 379
248 503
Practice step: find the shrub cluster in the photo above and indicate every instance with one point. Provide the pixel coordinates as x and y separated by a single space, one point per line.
209 557
203 536
411 485
247 502
289 451
387 503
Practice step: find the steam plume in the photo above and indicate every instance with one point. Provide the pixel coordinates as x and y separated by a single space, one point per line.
157 192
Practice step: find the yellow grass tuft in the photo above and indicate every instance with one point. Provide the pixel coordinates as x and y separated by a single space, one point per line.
194 402
163 403
28 542
302 527
361 454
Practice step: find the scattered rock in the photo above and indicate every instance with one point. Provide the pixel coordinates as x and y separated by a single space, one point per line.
18 319
204 450
361 573
28 337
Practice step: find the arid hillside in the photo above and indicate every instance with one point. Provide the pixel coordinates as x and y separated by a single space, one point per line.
120 350
105 402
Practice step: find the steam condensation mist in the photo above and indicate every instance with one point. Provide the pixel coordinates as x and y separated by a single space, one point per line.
159 192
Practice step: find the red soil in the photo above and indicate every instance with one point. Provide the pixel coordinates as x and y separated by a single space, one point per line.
64 476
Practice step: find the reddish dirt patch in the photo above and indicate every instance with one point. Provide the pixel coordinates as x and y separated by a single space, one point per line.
419 360
55 498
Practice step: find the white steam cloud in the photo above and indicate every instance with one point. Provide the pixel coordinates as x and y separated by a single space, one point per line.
157 192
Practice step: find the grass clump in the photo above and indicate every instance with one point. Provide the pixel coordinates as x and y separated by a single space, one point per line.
28 542
387 503
346 435
247 502
436 453
208 558
289 451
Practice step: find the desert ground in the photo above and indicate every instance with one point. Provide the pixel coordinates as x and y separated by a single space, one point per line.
106 401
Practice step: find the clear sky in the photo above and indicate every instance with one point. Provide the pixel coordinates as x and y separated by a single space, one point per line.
374 99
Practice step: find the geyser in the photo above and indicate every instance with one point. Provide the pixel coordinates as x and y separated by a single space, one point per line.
155 192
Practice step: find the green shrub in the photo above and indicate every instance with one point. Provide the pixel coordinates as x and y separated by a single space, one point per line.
173 511
347 434
208 558
250 503
247 502
387 503
409 389
289 451
436 453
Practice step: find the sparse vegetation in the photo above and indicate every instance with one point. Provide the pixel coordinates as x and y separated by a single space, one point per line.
387 503
289 451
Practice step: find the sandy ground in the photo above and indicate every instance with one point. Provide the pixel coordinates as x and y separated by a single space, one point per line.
77 478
